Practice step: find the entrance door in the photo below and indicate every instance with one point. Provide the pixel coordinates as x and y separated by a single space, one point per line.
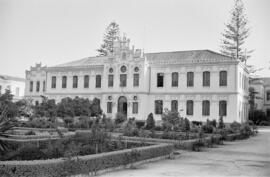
122 105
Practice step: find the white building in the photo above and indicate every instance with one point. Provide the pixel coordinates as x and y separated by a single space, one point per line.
200 84
262 88
16 86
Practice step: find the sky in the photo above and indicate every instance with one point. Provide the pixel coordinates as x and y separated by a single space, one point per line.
58 31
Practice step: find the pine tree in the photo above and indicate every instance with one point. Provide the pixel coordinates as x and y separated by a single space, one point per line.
112 32
236 31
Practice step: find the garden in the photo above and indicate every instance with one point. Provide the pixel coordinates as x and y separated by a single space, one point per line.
74 137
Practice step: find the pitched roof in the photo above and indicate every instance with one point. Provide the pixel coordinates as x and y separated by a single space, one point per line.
179 55
6 77
190 54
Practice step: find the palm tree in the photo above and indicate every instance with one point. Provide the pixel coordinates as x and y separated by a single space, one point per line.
5 125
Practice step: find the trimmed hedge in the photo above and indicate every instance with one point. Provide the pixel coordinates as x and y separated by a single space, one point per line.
82 164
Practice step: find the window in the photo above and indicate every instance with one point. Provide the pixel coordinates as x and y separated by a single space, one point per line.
136 69
158 107
206 108
174 79
189 107
64 81
223 78
17 91
110 80
268 95
31 86
86 81
160 77
268 112
54 82
0 89
174 106
190 79
36 102
135 108
75 81
222 108
44 86
123 80
111 70
123 69
136 80
109 107
206 78
98 81
37 86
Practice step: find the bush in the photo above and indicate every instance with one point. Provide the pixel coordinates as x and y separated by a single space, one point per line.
120 118
258 116
197 123
85 165
140 124
31 132
150 122
207 128
130 128
264 123
158 128
235 126
246 131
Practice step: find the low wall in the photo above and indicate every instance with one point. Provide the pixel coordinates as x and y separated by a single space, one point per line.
82 164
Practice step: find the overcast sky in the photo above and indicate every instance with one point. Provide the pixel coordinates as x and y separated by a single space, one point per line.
58 31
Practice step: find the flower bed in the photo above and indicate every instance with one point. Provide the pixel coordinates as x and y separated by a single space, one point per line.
82 164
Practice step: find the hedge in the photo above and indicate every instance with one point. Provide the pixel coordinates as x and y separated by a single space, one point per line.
181 144
82 164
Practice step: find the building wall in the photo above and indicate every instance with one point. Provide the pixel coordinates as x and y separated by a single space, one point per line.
16 87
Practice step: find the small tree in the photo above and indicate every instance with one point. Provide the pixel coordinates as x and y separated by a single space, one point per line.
120 118
150 122
112 32
171 120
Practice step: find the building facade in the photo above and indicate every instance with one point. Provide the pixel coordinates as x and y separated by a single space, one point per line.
199 84
14 84
261 87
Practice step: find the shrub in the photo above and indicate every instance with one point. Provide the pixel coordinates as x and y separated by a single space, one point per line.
245 131
196 123
140 124
207 128
158 128
221 124
31 132
130 128
150 122
171 120
264 123
120 118
235 126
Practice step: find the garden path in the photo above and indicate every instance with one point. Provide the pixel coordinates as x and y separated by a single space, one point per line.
249 157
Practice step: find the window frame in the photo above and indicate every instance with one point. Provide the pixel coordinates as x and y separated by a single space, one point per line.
160 80
86 81
75 81
206 79
190 79
223 78
158 106
37 86
64 81
98 81
53 86
222 111
110 80
206 108
123 80
189 110
109 107
174 105
31 85
136 80
175 78
135 107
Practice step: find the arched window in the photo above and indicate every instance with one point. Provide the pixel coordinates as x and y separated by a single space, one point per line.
174 79
222 108
223 78
37 86
206 108
75 81
206 78
189 107
190 79
123 69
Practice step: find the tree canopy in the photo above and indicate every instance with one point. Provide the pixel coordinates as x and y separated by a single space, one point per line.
112 33
235 33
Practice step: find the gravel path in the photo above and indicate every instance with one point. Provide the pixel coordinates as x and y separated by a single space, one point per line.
241 158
